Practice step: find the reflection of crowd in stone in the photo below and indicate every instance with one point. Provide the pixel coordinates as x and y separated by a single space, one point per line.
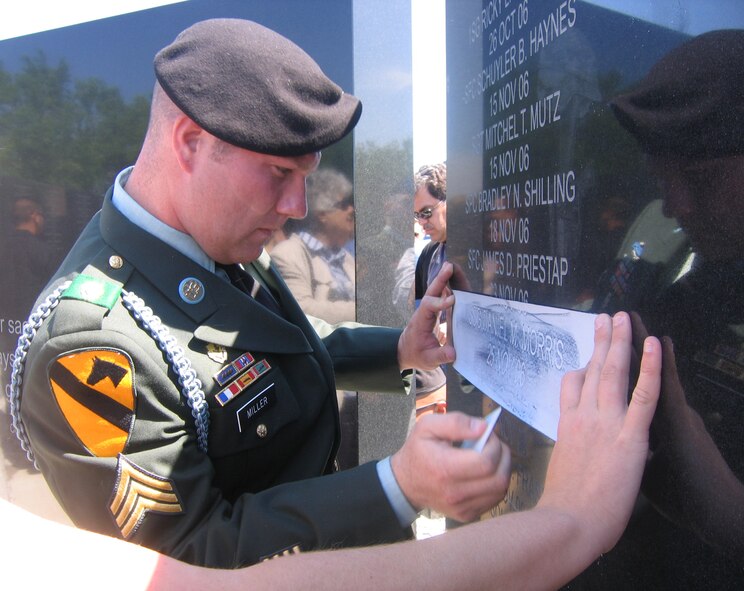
26 263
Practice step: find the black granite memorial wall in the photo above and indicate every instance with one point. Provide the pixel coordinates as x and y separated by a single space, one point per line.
596 163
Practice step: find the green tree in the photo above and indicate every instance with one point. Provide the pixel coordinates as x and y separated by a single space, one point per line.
74 134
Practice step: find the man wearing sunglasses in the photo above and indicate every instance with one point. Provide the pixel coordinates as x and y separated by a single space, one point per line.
430 211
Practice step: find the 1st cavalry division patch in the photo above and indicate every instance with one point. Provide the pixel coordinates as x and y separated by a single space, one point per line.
94 389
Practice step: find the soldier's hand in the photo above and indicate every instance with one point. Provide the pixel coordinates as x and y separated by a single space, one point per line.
460 483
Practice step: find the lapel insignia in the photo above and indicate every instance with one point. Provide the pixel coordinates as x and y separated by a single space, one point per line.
240 384
235 368
94 389
216 353
138 492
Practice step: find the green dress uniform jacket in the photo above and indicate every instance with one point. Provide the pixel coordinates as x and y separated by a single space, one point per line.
115 438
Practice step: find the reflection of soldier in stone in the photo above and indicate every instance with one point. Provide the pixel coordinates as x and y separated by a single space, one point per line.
611 216
688 117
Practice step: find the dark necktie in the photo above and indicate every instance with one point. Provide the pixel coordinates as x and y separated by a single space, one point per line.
247 284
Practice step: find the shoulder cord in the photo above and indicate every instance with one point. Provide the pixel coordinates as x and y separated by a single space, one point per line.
19 361
191 386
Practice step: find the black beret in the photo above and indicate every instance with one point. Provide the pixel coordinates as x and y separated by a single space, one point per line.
691 103
255 89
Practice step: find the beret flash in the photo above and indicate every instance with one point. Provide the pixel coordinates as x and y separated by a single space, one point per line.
255 89
691 102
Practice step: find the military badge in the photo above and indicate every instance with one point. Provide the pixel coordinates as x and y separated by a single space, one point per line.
94 389
191 290
93 290
216 353
240 384
235 368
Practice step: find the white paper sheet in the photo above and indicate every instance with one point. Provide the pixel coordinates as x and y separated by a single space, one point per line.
517 353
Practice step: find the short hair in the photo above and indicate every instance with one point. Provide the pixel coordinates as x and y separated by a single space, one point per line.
434 178
162 111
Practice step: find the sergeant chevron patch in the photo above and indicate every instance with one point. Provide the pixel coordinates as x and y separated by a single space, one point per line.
137 493
94 389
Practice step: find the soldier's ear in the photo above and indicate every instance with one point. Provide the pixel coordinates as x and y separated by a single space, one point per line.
188 139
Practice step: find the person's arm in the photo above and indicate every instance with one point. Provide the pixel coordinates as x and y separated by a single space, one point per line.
592 481
368 358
